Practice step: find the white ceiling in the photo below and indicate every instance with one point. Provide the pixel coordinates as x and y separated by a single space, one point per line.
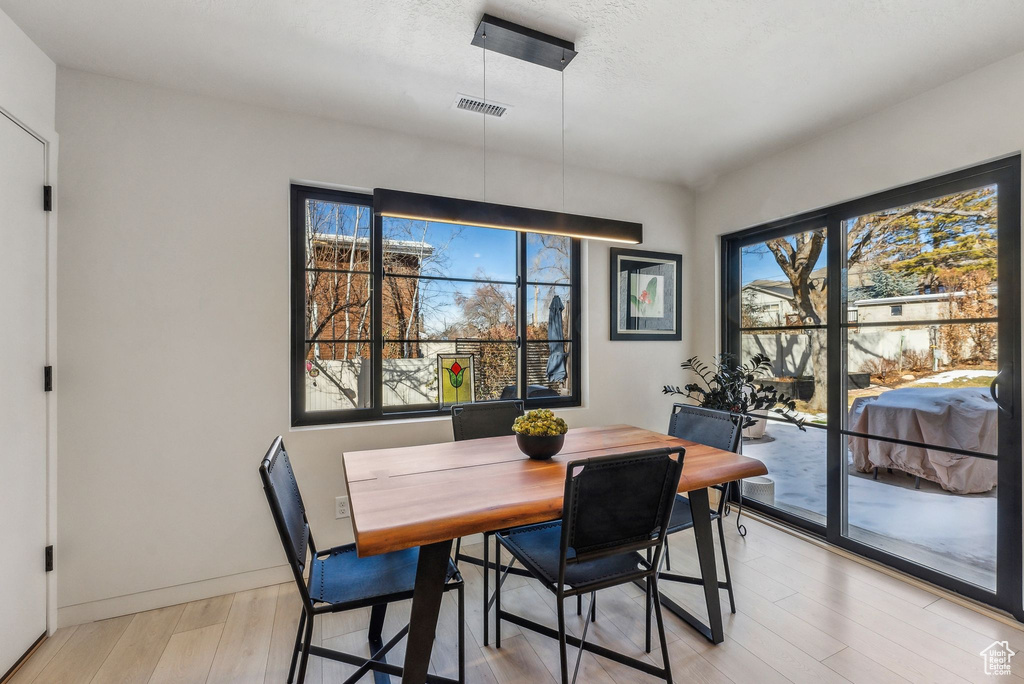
679 90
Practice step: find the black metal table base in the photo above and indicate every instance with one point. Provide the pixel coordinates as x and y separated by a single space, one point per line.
431 571
641 665
714 632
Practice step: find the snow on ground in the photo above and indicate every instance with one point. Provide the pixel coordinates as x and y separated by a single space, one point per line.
954 533
952 375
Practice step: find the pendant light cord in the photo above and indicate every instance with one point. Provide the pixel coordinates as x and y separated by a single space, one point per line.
563 136
484 50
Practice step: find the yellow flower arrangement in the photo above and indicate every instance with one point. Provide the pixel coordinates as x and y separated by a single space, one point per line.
540 423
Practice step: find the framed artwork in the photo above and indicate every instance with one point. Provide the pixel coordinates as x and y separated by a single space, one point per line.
455 379
646 300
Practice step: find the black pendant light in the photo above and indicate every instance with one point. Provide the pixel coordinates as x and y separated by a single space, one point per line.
538 48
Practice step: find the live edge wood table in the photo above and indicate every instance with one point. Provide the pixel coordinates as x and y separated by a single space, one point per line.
428 495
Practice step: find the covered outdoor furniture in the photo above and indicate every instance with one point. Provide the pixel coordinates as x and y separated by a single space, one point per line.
964 418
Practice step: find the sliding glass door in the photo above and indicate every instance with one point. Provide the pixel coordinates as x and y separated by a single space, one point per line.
894 321
783 317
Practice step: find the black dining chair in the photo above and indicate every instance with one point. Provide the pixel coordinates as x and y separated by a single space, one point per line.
477 421
614 508
721 430
339 580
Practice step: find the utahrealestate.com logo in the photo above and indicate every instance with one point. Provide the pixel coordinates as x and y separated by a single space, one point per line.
997 658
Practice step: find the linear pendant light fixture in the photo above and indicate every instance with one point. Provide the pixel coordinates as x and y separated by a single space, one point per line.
531 46
412 205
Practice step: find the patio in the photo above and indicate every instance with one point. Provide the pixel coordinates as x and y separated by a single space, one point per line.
955 533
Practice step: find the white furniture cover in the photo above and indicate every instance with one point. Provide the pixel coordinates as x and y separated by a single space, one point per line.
963 418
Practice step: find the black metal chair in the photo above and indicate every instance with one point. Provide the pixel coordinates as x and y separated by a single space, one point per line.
485 419
340 581
721 430
477 421
614 508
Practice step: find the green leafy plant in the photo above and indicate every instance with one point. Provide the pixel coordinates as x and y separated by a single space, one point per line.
727 385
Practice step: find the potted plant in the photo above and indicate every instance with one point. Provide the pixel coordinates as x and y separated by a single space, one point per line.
727 385
540 434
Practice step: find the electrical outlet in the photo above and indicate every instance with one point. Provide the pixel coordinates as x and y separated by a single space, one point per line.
341 507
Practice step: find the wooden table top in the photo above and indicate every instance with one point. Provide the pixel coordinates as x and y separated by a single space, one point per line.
417 495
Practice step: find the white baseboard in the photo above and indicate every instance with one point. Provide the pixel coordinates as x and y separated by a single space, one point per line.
115 606
169 596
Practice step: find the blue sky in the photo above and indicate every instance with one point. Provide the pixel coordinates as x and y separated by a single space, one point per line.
758 263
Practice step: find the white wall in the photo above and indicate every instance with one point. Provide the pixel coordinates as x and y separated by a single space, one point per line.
173 308
27 94
27 78
971 120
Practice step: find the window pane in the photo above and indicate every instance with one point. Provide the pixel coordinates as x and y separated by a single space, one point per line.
338 305
912 255
548 258
447 250
431 309
338 376
410 371
548 369
332 229
548 312
926 505
798 366
783 281
797 468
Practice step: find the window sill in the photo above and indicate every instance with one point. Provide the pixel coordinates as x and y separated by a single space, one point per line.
405 420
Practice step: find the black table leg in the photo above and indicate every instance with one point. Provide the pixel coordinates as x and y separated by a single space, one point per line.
706 556
426 603
376 640
708 571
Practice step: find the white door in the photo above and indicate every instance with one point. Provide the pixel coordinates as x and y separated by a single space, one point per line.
22 401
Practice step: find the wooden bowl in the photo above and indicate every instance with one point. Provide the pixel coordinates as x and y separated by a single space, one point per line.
540 448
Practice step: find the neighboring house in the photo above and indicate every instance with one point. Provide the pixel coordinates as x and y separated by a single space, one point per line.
340 300
768 302
917 307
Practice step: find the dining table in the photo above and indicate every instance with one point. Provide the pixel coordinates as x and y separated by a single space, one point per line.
428 495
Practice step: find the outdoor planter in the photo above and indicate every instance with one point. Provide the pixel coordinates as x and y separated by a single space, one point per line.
760 488
756 431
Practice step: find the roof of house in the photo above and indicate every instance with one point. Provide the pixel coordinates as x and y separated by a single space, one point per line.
412 247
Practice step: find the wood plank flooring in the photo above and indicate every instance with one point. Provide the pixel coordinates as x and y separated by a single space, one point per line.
805 614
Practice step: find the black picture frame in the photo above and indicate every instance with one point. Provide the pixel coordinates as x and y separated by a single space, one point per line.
663 321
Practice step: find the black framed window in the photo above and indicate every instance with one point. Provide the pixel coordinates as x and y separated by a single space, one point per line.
380 303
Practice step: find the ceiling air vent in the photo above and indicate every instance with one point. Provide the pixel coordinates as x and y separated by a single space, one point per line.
480 106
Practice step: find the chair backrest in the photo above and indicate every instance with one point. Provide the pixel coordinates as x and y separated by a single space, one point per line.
289 513
616 504
719 429
485 419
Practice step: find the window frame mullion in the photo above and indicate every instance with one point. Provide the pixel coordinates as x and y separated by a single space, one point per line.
521 319
376 312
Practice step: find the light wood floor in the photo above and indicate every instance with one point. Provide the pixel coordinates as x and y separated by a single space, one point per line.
805 615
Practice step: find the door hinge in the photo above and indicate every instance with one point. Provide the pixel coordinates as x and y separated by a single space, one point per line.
47 378
49 558
47 198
